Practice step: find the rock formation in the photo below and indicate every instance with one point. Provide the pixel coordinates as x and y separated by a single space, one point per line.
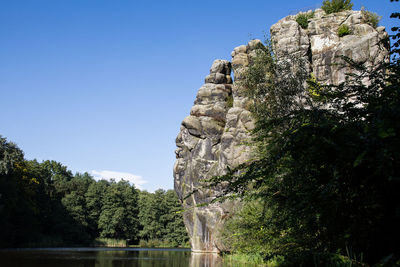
321 45
213 136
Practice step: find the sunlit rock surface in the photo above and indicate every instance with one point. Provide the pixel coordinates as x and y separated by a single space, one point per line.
213 136
321 45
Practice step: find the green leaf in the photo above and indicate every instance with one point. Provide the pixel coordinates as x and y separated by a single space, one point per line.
359 159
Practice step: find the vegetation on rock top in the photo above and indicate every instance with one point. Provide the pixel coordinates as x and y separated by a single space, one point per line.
370 18
334 6
302 19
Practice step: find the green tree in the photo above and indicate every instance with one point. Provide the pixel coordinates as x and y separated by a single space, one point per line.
44 204
152 214
59 175
326 164
160 217
119 214
245 231
9 155
20 203
74 201
145 215
94 198
175 231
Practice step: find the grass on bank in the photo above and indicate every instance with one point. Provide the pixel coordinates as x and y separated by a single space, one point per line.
319 260
157 243
250 260
151 243
50 242
110 242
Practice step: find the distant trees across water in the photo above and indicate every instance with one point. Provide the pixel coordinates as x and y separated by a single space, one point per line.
45 204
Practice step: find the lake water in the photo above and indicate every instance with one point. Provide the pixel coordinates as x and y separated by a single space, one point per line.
106 257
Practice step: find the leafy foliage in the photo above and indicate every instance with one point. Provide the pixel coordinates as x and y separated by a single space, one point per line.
30 207
245 230
334 6
302 19
325 173
94 198
396 36
44 204
118 218
9 155
343 30
161 219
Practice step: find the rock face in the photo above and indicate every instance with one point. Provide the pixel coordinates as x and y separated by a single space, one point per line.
209 141
321 45
212 137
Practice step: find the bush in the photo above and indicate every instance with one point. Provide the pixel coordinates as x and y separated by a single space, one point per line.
370 18
334 6
314 88
343 30
238 259
302 19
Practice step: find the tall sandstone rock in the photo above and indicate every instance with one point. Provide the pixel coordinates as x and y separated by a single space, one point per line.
214 135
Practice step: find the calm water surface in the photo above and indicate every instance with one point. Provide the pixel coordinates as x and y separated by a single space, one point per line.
106 257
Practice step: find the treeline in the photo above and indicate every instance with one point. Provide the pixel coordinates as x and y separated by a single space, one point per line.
44 204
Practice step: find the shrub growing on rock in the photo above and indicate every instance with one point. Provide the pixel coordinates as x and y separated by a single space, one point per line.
370 18
334 6
343 30
302 19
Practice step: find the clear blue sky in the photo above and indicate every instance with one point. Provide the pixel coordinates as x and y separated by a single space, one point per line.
103 85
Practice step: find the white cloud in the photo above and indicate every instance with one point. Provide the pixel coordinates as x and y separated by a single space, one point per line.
137 180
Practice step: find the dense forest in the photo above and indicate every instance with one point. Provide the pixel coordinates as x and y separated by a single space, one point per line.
322 188
44 204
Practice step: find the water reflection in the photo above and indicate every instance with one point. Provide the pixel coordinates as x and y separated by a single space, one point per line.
105 257
205 260
93 257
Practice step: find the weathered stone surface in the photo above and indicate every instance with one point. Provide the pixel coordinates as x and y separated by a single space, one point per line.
198 155
322 47
220 72
211 139
214 135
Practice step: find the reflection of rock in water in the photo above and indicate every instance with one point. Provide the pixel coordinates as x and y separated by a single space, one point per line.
205 260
